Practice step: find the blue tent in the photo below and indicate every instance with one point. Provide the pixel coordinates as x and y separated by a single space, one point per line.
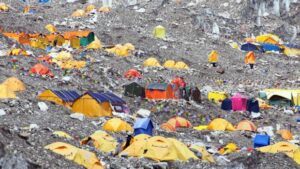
226 105
250 47
266 47
143 126
43 1
261 141
252 105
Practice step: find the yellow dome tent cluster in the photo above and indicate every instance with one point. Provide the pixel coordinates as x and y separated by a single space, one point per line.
9 87
121 50
170 64
89 9
158 148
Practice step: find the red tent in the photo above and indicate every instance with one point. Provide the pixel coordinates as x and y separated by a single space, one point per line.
41 70
179 82
132 73
46 58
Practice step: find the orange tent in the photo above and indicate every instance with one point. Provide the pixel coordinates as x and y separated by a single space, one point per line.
24 39
69 35
179 122
213 57
246 125
47 59
51 37
250 58
179 82
160 91
285 134
11 35
41 70
167 127
132 73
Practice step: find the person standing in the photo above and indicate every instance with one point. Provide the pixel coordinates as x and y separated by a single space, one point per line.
250 59
213 58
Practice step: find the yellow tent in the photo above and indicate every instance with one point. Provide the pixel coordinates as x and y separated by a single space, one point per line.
183 152
3 7
90 107
234 45
289 94
201 127
213 57
181 65
136 146
51 28
205 155
49 95
63 56
36 43
79 13
62 134
151 62
268 38
169 64
104 9
71 64
75 42
96 44
229 148
121 50
14 84
294 52
90 7
116 125
5 93
280 147
217 96
17 52
102 141
82 157
159 32
285 134
220 124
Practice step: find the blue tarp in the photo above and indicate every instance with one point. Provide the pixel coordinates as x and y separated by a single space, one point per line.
143 126
266 47
66 95
43 1
106 97
250 47
157 86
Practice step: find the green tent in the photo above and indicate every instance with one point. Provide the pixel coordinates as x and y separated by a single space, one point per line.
84 41
134 90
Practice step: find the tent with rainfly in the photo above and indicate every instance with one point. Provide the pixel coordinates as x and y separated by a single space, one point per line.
179 122
60 97
97 104
79 156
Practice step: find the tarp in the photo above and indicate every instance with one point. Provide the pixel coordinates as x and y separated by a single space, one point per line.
250 47
82 157
106 96
266 47
61 97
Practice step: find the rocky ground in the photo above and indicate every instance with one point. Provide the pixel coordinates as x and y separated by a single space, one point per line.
189 39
